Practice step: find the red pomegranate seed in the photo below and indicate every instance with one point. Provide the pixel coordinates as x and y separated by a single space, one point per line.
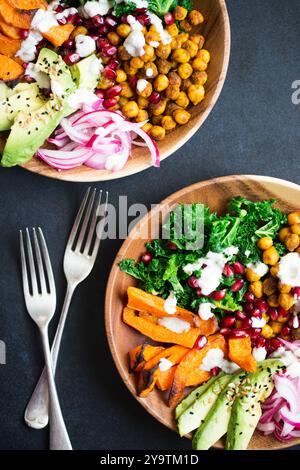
218 294
282 312
25 65
201 341
62 21
238 267
109 103
240 315
140 10
193 282
100 94
273 313
154 97
255 332
97 20
109 51
58 9
225 331
133 81
69 44
169 19
285 331
228 270
110 21
96 38
124 19
256 313
268 345
143 19
113 91
296 291
249 297
24 33
262 305
228 322
249 307
114 64
28 79
71 58
238 334
147 258
103 29
199 292
71 18
78 21
275 343
260 342
215 371
110 73
171 246
102 43
237 285
247 323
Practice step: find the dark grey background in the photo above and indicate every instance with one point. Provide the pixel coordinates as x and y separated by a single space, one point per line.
254 128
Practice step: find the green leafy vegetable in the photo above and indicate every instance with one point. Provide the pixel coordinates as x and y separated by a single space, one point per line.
161 7
123 8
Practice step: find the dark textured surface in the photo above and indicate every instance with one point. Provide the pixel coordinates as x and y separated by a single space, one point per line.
254 128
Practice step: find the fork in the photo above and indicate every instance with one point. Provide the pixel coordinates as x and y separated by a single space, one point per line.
80 255
40 300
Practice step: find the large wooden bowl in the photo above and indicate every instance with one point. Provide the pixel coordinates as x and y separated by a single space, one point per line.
217 31
215 193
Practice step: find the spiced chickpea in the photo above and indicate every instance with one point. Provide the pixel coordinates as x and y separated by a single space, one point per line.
146 127
186 83
292 241
273 300
157 132
293 218
149 71
79 30
156 120
158 109
163 50
256 289
142 102
145 90
141 116
191 47
127 91
186 25
199 64
172 92
283 233
181 116
270 286
196 93
183 38
129 69
265 243
171 107
113 38
136 62
251 275
161 82
152 36
295 229
181 55
199 78
284 288
180 13
120 76
198 39
270 256
149 55
168 123
104 83
286 301
123 54
163 66
174 78
172 30
185 70
204 55
123 30
176 43
182 100
123 101
195 17
274 270
130 109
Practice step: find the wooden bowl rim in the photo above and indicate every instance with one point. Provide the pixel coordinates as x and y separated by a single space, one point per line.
123 372
88 176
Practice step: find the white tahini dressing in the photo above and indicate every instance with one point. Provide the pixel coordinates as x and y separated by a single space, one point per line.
149 72
85 45
205 310
157 22
43 20
135 41
65 13
290 359
215 358
41 78
259 354
96 67
170 304
258 268
289 269
257 322
164 364
27 50
56 88
81 96
141 85
174 324
101 7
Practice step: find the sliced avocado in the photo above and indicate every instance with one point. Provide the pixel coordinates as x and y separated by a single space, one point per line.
28 100
195 414
53 65
30 130
216 422
246 410
84 73
192 397
5 91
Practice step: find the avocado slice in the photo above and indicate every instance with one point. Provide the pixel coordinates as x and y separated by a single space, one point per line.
246 410
192 397
29 99
86 72
30 130
5 91
195 414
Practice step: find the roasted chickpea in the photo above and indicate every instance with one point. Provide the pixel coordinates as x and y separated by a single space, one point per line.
144 88
183 37
163 50
136 63
168 123
191 47
267 331
158 108
129 69
199 78
123 30
141 116
195 17
265 243
149 55
181 55
186 83
130 109
146 127
157 132
123 54
123 101
161 82
283 318
171 107
204 55
174 78
293 218
181 116
142 102
196 93
276 327
273 300
256 289
182 100
284 288
126 90
120 76
113 38
251 275
186 25
185 70
149 71
79 30
152 37
270 256
283 233
270 286
295 229
292 241
156 120
176 43
172 30
180 13
172 92
274 270
104 83
198 39
286 301
199 64
163 66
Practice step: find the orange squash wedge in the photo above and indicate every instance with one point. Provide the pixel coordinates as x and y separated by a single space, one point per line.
18 18
165 379
10 70
28 4
9 31
57 35
8 46
240 352
141 354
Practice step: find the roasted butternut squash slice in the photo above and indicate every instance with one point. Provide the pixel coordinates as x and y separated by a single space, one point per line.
8 46
28 4
19 19
9 69
165 379
8 30
57 35
141 354
240 352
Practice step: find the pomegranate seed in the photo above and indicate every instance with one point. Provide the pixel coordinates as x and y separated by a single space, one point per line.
228 322
273 313
102 43
28 79
256 313
275 343
238 267
169 19
113 91
24 33
199 292
255 332
154 97
103 29
147 258
193 282
143 19
268 345
260 342
124 19
114 64
285 331
62 21
58 9
171 246
88 23
100 94
96 37
109 51
46 92
25 65
109 103
78 21
235 334
247 323
282 312
249 297
110 21
228 270
133 81
262 305
249 307
71 58
201 341
296 292
97 20
237 285
225 331
69 44
218 294
215 371
140 10
71 18
240 315
110 73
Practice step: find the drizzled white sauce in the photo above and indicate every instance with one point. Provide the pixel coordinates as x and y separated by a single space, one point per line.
141 85
170 304
164 364
259 354
41 78
85 45
257 322
56 88
100 7
43 20
135 41
27 50
205 310
289 269
81 96
157 22
258 268
174 324
215 358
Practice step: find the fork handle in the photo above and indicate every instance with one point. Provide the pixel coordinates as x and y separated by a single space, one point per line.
59 439
36 413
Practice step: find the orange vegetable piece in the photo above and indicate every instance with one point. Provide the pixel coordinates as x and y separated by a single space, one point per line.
188 371
28 4
165 379
9 46
57 35
241 353
141 354
160 333
9 69
18 18
8 30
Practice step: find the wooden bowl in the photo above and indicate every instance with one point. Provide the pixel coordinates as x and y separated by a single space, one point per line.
215 193
216 29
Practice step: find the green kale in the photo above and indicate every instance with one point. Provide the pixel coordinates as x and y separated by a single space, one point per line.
161 7
123 8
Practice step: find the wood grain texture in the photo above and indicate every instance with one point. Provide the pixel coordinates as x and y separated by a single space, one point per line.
216 29
215 193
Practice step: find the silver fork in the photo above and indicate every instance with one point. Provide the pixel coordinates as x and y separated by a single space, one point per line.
80 255
40 300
